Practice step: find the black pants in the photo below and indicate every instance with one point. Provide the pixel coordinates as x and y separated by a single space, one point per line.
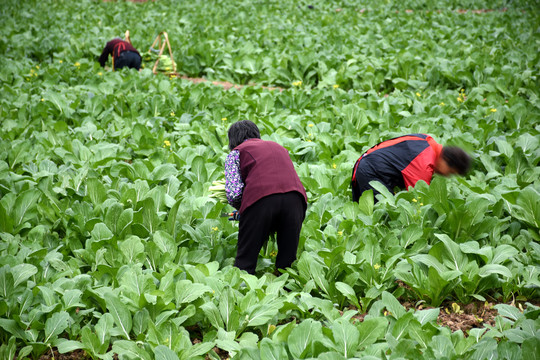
128 58
279 213
361 184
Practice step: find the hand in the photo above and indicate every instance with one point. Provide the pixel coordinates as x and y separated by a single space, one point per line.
234 216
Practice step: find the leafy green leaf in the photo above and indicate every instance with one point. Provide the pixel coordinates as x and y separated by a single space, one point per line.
101 233
371 330
55 325
272 351
303 336
96 191
426 316
7 284
162 352
65 346
508 311
24 206
186 291
393 305
346 337
119 312
129 350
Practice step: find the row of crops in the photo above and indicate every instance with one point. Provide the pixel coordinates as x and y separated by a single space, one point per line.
110 243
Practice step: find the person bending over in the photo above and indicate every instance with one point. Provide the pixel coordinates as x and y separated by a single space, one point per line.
403 161
123 54
261 182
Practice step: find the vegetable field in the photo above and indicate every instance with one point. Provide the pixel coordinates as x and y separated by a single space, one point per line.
111 246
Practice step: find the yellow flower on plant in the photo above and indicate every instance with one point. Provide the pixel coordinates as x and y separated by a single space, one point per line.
461 97
215 228
297 83
310 125
172 113
60 61
340 233
37 66
100 73
77 64
418 94
336 86
223 119
493 110
334 165
414 200
42 99
166 143
442 104
376 266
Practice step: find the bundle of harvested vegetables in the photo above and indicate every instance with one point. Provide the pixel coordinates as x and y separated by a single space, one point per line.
218 191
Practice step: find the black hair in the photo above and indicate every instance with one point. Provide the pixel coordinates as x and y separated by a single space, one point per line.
457 159
241 131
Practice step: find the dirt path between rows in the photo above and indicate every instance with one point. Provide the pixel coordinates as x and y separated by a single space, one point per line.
226 85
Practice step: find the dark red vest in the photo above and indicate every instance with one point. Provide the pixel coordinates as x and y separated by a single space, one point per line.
266 169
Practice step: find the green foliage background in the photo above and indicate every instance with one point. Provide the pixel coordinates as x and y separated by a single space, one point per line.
110 243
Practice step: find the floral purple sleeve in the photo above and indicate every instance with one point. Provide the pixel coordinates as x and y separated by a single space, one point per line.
234 186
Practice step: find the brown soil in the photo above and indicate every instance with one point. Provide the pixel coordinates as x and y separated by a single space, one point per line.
74 355
223 355
456 316
463 317
197 334
226 85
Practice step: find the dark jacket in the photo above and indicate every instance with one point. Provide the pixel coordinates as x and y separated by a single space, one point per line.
399 162
115 47
266 169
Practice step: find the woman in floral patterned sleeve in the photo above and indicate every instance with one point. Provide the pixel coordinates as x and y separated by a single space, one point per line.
261 182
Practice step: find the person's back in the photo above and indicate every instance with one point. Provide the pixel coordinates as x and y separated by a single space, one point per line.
266 169
123 54
403 161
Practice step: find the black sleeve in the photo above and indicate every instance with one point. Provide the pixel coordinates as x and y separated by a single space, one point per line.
105 54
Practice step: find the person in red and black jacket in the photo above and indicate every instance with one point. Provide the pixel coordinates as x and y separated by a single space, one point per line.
123 53
260 181
403 161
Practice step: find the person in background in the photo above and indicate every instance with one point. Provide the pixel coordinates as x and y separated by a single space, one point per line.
123 54
260 181
403 161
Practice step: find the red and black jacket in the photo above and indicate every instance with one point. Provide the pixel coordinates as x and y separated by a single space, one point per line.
115 47
399 162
